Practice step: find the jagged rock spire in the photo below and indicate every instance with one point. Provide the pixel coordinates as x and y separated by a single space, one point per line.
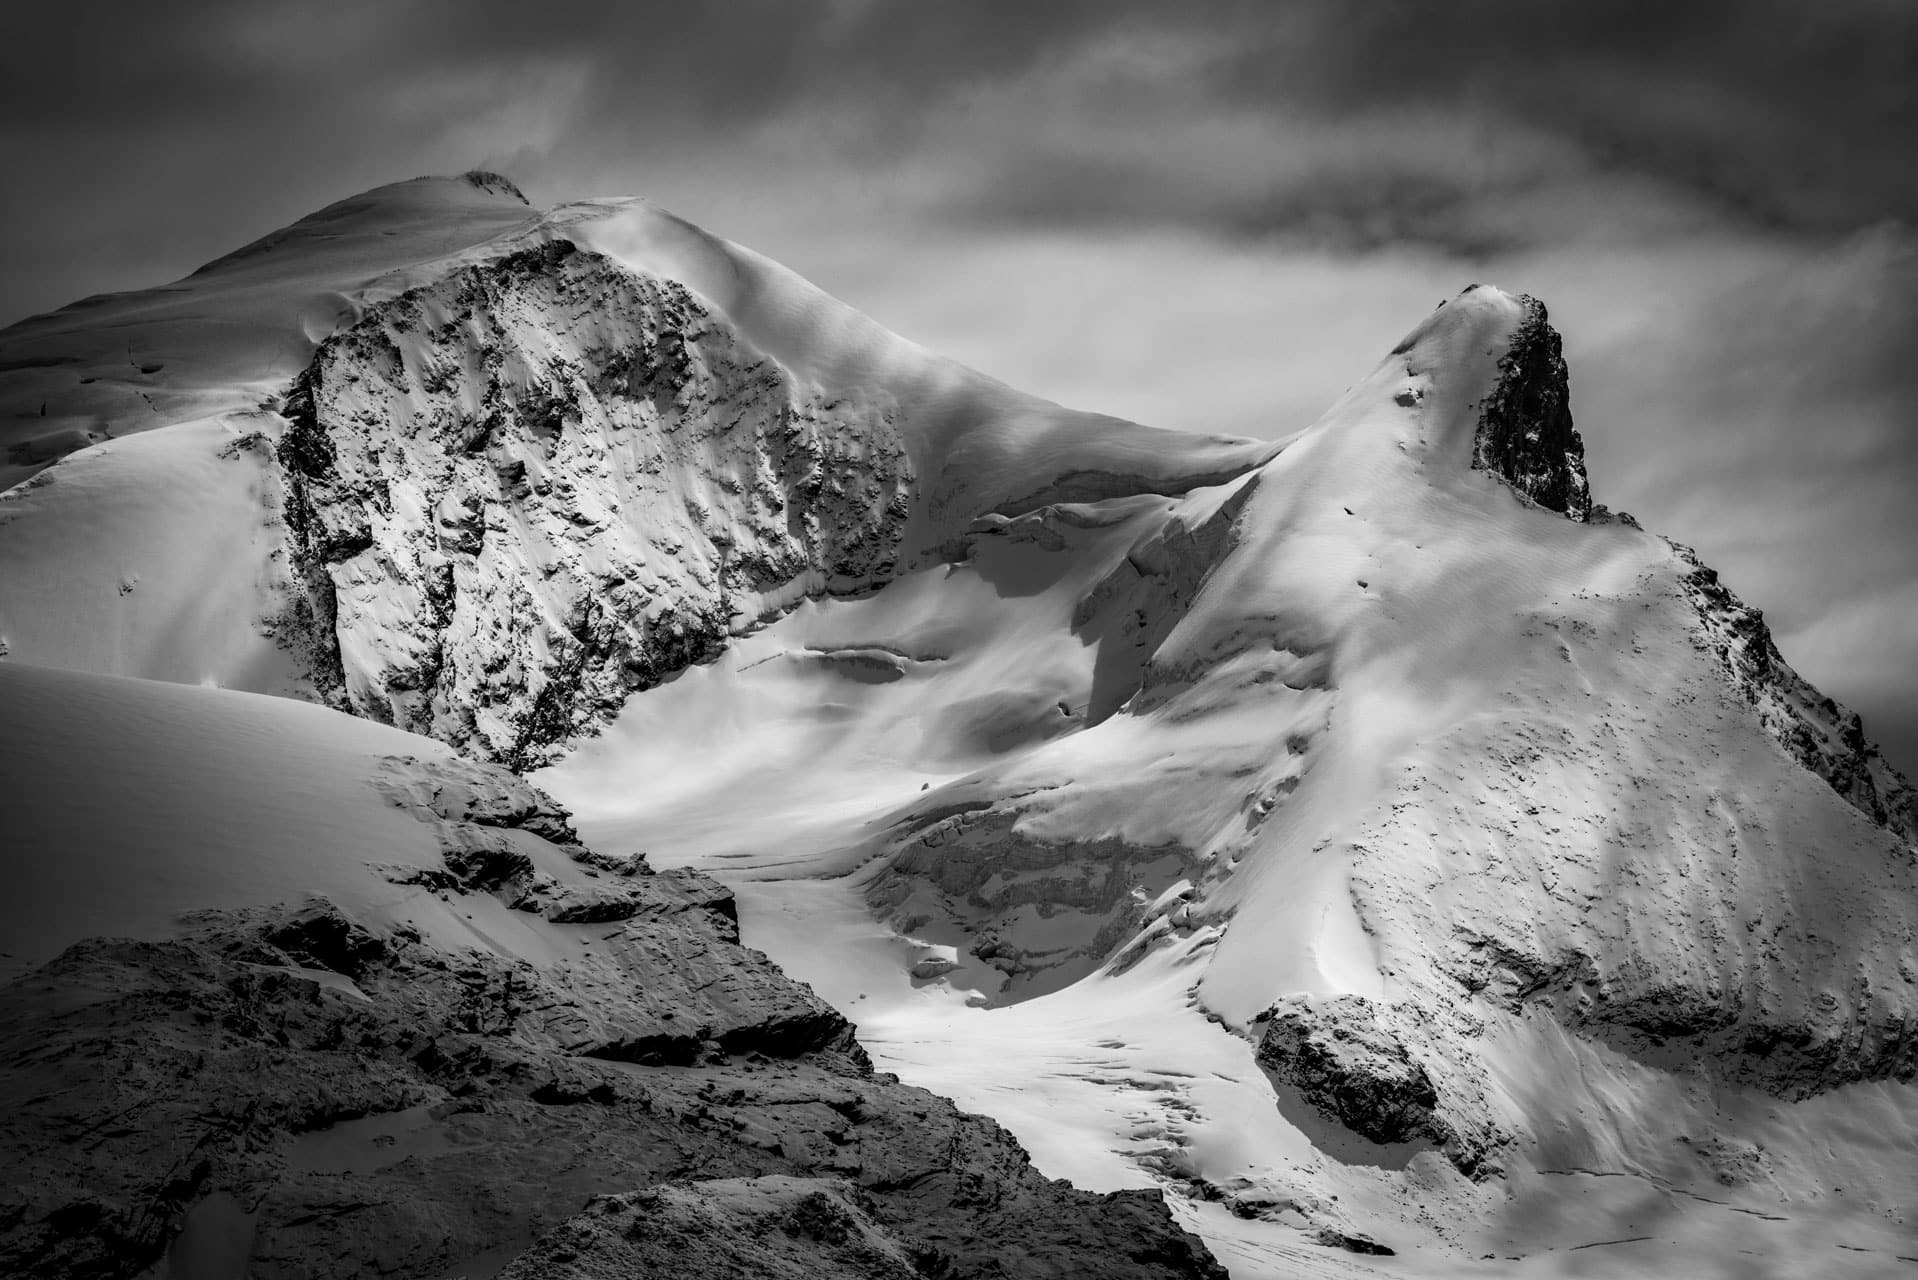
1525 432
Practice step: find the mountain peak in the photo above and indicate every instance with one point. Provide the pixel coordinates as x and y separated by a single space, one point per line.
1525 433
494 184
422 218
1498 369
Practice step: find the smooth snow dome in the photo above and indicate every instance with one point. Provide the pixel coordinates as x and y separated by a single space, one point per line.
1591 925
152 556
138 800
236 329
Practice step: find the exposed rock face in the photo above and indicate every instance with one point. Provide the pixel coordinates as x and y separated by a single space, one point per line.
1673 1020
292 1092
781 1228
497 183
1346 1060
1525 432
522 492
787 1228
1816 731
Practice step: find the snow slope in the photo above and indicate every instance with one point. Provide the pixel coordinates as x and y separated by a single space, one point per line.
1363 837
234 331
978 444
1361 740
158 554
139 801
142 803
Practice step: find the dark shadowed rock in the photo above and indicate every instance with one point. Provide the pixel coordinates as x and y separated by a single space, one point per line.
1345 1060
1525 432
1352 1243
319 936
319 1095
780 1228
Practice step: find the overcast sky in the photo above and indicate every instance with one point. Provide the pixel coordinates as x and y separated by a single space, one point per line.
1202 216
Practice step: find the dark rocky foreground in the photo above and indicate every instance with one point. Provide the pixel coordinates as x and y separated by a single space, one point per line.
287 1091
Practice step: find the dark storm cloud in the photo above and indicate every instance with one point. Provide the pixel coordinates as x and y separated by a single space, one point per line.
231 118
1782 115
145 138
1797 113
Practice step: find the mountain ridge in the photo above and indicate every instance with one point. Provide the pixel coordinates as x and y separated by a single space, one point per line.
1317 831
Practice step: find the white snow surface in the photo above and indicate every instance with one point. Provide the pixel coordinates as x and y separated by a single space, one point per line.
1144 734
137 804
981 445
153 548
1407 738
136 801
195 578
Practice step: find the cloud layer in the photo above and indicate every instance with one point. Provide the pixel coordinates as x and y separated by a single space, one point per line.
1207 215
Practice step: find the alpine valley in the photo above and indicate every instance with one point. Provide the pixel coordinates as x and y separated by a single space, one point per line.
541 744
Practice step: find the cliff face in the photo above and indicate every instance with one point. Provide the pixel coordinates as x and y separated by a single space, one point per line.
1525 434
523 492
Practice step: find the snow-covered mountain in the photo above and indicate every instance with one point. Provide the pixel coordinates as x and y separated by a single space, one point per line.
1364 839
623 436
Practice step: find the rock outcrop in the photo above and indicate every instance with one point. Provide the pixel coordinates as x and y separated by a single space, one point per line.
1813 729
1347 1061
290 1091
777 1227
524 491
787 1228
1525 432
